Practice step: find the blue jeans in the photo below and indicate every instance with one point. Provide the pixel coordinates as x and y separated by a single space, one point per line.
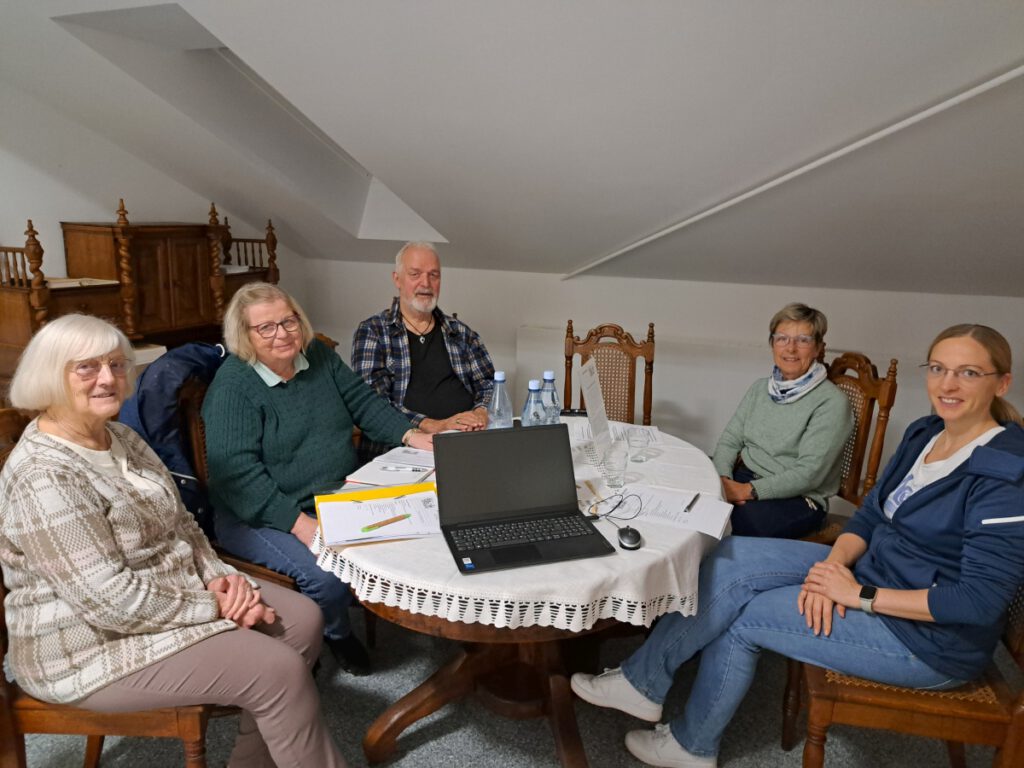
747 601
284 553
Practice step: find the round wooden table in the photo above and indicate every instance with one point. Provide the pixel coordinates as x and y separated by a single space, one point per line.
514 625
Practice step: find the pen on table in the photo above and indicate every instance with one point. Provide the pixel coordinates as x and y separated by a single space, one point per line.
403 468
382 523
693 503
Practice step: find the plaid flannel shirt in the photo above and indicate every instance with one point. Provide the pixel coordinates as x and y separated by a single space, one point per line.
380 354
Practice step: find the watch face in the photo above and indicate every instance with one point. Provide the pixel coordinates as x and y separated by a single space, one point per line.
868 593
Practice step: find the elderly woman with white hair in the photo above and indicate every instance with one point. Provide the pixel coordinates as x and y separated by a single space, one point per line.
279 417
116 600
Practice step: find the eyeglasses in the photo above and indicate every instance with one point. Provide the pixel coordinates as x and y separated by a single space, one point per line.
803 340
87 370
269 330
963 375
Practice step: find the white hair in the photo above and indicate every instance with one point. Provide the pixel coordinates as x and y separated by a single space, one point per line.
409 246
41 379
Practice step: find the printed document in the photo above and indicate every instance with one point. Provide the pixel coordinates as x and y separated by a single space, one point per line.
399 466
694 511
378 514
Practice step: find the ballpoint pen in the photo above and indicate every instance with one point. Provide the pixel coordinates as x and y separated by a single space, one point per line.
382 523
693 502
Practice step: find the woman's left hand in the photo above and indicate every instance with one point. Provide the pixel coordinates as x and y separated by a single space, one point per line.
236 597
835 581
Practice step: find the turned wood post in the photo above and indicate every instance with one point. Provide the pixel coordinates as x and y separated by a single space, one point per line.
214 236
127 276
272 274
39 293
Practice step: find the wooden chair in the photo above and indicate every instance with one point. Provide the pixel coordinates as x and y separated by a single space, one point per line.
858 379
190 404
21 714
616 353
985 711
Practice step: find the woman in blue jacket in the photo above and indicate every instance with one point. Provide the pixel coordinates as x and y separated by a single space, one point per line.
913 593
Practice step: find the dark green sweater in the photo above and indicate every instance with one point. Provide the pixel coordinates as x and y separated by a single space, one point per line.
271 448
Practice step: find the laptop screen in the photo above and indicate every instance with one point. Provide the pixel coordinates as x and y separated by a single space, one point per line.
500 473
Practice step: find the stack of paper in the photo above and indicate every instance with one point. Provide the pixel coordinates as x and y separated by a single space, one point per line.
399 466
695 511
378 514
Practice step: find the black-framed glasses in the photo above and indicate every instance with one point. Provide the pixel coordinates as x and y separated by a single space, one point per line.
88 370
964 374
269 330
803 340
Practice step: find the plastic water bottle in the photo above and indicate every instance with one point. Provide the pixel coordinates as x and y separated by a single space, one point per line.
549 397
499 410
533 409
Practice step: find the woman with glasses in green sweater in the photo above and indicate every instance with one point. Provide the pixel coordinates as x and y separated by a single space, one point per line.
779 454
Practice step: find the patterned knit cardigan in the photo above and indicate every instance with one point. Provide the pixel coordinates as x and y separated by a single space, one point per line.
103 579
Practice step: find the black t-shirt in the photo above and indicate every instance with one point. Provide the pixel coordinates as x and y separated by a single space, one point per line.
434 389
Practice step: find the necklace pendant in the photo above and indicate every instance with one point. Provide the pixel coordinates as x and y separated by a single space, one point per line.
423 339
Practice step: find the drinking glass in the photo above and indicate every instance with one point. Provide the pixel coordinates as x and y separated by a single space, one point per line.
637 441
615 460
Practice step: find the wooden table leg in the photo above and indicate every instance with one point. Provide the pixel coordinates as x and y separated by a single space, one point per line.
452 681
562 717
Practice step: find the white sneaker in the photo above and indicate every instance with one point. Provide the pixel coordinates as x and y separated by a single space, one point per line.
660 748
612 689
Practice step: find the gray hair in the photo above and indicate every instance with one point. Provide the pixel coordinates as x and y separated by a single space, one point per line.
408 247
41 379
236 325
800 313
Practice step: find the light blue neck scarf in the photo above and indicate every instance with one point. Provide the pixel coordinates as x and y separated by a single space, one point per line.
782 391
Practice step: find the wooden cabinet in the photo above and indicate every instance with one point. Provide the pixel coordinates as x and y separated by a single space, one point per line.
165 272
160 282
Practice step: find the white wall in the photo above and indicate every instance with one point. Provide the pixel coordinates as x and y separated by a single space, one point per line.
711 338
54 169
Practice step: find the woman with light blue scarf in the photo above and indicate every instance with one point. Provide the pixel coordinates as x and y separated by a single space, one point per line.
779 455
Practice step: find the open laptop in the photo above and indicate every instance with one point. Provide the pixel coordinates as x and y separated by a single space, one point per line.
507 498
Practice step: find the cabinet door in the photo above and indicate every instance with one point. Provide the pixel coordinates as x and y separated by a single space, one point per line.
191 299
152 296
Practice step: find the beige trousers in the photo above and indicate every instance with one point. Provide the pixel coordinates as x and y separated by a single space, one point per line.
264 671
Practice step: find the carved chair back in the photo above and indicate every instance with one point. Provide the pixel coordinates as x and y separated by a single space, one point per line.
616 354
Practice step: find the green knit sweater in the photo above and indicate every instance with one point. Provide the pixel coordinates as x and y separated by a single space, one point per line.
794 447
271 448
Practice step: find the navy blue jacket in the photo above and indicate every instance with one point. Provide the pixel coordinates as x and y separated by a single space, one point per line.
153 412
939 540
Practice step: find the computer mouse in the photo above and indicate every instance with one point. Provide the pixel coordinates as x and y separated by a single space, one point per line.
629 538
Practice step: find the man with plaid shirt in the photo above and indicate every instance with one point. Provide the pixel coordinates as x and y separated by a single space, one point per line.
429 365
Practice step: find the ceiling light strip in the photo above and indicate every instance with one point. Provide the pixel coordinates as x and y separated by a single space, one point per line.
830 157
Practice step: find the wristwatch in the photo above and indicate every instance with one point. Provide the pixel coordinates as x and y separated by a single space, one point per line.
753 492
867 599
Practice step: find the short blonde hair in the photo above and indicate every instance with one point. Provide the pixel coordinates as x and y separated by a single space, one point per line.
236 325
41 379
800 313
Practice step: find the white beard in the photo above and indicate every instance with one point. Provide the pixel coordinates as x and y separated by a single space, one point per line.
423 305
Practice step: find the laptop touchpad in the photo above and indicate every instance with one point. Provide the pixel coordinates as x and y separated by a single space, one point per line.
516 554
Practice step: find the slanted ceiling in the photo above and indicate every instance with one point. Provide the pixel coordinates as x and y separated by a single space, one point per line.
873 145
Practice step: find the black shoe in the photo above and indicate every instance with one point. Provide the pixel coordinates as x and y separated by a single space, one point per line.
350 654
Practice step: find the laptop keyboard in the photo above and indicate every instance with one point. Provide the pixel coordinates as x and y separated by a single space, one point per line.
519 532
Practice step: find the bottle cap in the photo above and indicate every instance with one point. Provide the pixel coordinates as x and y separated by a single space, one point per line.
549 375
499 375
534 384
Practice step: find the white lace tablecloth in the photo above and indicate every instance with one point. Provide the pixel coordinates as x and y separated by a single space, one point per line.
634 587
